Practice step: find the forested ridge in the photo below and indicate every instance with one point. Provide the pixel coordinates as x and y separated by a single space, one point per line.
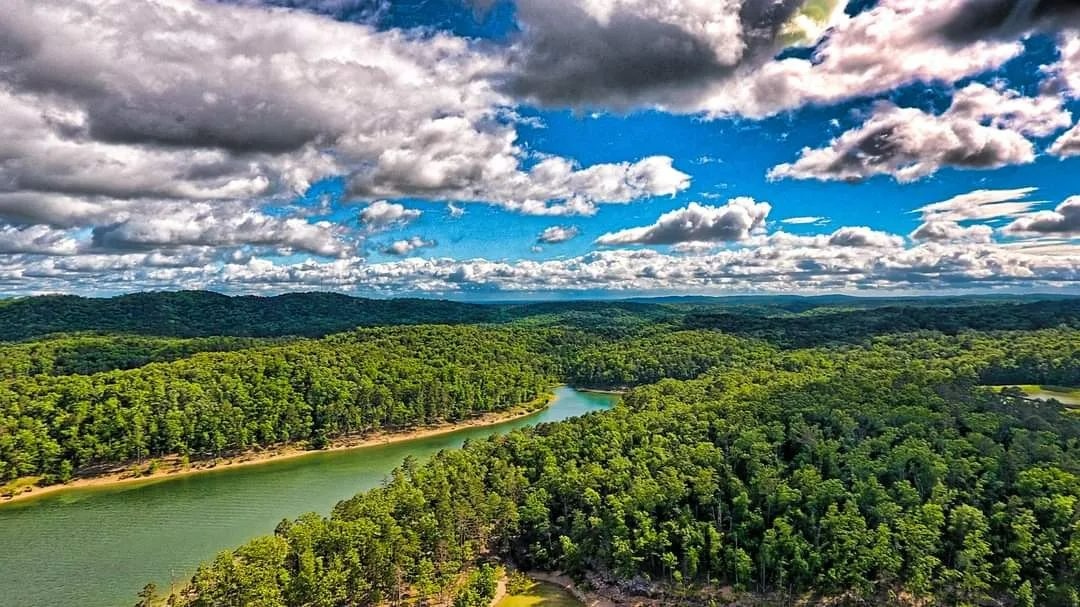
205 314
828 325
82 354
208 314
764 452
221 402
881 473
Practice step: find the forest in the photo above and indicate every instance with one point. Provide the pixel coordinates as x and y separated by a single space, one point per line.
213 402
762 453
872 473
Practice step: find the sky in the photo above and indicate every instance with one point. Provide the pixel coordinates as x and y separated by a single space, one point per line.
500 149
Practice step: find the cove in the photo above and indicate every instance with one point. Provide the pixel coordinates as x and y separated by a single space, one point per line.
99 546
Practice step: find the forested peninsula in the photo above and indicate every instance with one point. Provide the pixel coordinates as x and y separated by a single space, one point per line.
830 452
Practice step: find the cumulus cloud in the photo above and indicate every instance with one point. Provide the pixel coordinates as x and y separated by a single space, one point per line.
895 42
775 264
950 231
732 222
983 128
980 205
36 239
405 246
146 145
1068 68
944 221
1068 144
382 215
557 234
843 240
1037 116
717 58
1064 220
217 225
626 53
553 186
114 115
455 211
861 236
983 19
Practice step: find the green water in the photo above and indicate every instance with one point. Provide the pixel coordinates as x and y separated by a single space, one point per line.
90 547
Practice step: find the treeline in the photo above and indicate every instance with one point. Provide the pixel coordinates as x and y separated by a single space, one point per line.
86 354
869 473
650 358
203 314
796 321
309 390
825 326
1048 356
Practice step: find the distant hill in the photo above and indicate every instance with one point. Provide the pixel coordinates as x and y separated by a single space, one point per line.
836 324
204 313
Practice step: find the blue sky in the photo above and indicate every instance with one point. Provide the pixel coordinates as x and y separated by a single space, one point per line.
541 149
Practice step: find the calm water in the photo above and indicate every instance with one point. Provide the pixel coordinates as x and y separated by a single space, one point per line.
92 547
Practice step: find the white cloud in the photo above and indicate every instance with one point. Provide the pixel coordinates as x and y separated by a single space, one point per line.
894 43
36 239
382 215
716 58
557 234
1064 220
983 128
553 186
455 211
217 225
172 123
778 263
1068 68
980 205
942 220
144 144
804 220
631 53
861 236
1068 144
732 222
406 246
1038 116
950 231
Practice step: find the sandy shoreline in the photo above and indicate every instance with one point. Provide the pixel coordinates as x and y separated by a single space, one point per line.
170 466
615 391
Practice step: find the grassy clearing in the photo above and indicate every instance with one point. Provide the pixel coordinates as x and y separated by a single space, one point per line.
540 594
1064 394
18 485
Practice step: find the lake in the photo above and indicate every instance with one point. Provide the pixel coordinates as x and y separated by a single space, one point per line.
99 546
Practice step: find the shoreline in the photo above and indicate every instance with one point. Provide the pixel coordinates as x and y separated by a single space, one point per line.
171 468
614 391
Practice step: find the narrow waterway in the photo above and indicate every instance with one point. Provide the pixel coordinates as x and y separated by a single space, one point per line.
97 547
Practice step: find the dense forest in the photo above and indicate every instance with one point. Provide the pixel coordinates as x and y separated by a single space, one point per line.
873 472
207 314
764 451
83 354
220 402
